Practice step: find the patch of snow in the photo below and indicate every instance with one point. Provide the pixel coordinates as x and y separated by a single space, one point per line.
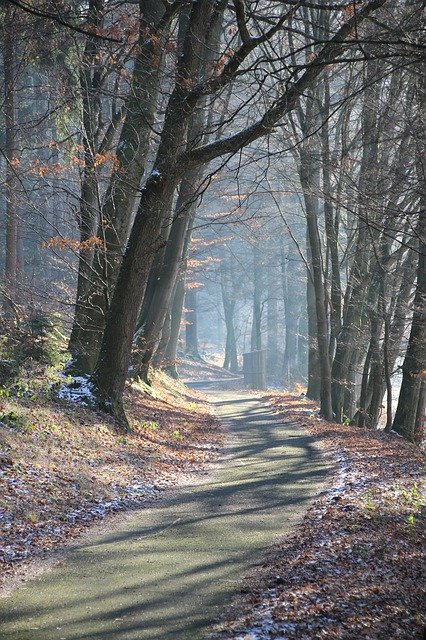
79 391
266 627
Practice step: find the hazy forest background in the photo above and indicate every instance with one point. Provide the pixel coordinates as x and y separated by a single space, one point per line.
213 178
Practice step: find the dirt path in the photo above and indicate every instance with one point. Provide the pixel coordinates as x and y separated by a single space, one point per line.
168 571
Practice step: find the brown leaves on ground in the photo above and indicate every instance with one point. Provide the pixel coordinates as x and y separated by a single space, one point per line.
354 568
62 466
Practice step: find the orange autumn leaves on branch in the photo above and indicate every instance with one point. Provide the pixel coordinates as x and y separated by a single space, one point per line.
60 243
99 159
44 169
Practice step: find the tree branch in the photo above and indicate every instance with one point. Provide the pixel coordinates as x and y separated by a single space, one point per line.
286 102
231 68
240 13
56 18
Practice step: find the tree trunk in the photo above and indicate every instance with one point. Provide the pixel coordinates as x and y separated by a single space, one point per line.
174 255
89 214
228 301
410 412
113 225
331 226
319 290
191 327
351 330
12 160
272 326
310 181
314 375
110 374
170 354
158 299
256 326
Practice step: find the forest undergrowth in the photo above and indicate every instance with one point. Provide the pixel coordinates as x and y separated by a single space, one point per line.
354 567
64 467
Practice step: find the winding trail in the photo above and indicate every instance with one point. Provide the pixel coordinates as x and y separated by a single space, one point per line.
168 571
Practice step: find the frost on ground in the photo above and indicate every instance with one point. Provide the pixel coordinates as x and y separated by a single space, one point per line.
78 390
354 569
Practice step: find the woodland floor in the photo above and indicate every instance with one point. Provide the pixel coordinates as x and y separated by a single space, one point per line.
355 569
165 572
64 468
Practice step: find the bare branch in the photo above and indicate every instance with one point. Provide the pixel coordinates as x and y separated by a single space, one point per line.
240 12
287 102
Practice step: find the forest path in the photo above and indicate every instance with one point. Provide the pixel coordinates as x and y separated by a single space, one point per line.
168 571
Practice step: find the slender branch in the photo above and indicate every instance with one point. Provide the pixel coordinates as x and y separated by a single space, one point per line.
56 18
230 69
286 102
240 13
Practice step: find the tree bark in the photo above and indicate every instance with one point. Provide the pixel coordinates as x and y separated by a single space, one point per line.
12 160
310 187
89 214
351 330
170 354
114 220
331 225
191 327
272 325
410 412
256 326
228 300
409 418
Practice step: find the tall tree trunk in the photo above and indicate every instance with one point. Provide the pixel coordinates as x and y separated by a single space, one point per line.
170 354
331 225
360 272
110 374
314 375
113 223
89 214
256 325
410 412
228 300
161 295
12 160
409 418
309 180
191 327
372 375
158 299
272 325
